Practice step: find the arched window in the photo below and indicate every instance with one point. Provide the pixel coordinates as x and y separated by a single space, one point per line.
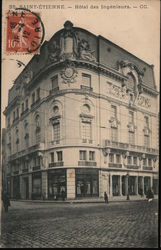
131 82
86 124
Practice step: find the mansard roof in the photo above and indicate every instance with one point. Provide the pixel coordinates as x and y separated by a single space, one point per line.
89 48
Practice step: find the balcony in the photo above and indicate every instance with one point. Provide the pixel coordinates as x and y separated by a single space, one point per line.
132 166
52 91
24 112
16 172
25 170
87 141
86 88
56 164
36 102
87 163
36 168
147 168
115 165
132 147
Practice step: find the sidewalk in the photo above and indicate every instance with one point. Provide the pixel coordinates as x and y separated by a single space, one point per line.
92 200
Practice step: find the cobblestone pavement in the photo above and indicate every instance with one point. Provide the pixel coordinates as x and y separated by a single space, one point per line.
117 224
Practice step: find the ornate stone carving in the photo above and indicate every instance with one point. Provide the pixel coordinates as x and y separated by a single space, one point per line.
27 76
114 122
85 52
69 73
131 127
54 51
146 131
143 101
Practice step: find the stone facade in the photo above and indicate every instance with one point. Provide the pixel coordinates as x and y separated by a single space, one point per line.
81 120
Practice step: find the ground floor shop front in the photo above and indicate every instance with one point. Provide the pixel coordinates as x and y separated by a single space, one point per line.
78 183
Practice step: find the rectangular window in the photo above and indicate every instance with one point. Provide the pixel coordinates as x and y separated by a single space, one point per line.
91 155
59 156
114 134
26 103
111 158
8 121
56 132
131 138
22 107
86 130
83 155
135 160
13 115
52 157
146 121
86 80
131 117
118 159
113 111
33 98
54 82
17 112
38 94
144 162
129 160
146 141
149 162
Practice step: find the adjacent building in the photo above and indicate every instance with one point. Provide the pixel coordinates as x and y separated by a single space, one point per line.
82 119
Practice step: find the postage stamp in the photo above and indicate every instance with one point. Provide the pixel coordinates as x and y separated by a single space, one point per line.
25 31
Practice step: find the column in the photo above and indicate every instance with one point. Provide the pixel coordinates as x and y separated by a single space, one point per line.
121 185
30 186
126 185
70 183
45 185
110 185
136 185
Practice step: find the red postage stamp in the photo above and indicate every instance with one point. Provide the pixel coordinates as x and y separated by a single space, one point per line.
25 31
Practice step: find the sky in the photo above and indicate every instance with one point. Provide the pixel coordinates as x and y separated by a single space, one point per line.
136 29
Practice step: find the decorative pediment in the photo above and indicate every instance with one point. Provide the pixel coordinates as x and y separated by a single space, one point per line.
70 46
131 127
55 119
125 63
114 122
146 131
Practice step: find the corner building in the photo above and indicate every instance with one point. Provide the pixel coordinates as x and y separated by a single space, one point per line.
82 118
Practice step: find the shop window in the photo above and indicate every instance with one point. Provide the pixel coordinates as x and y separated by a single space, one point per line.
91 155
59 156
83 155
115 185
57 183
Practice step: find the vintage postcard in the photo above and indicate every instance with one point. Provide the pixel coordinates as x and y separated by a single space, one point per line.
80 123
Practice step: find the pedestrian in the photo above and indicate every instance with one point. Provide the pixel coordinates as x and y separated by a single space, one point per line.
149 195
105 197
6 201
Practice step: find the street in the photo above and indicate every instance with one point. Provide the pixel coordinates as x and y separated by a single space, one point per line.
117 224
